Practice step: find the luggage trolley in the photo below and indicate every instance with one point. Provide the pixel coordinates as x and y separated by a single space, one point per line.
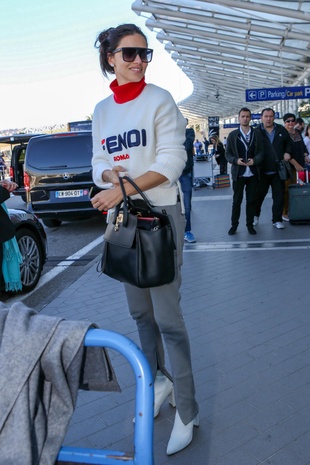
144 410
204 172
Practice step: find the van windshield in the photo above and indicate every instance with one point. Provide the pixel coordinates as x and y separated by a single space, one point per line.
60 152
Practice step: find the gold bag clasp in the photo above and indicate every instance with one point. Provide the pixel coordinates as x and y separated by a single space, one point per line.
119 221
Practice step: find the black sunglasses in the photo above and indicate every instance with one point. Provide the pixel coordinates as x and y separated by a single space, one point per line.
289 121
130 53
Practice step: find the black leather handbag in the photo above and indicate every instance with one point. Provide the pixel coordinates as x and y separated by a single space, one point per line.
139 247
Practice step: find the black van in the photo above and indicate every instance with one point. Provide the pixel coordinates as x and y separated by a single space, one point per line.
18 144
58 177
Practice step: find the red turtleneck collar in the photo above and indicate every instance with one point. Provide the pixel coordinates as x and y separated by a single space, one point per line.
127 92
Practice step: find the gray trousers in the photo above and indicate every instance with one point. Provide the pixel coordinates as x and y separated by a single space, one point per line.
158 313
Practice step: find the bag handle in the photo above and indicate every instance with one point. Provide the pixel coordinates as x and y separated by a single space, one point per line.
125 198
125 206
144 197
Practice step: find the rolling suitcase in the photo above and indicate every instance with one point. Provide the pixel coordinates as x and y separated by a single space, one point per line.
299 202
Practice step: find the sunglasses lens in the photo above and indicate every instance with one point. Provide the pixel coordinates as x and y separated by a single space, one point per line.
146 55
290 121
130 53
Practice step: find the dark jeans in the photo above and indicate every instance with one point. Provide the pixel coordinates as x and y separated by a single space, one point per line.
277 191
186 181
250 184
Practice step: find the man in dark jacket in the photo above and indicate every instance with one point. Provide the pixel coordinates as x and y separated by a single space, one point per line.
244 150
277 146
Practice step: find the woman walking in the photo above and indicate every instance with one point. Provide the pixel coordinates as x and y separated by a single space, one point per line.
139 130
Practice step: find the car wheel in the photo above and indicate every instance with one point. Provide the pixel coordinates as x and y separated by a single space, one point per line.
51 222
31 267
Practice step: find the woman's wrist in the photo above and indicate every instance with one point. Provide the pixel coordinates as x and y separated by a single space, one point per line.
106 176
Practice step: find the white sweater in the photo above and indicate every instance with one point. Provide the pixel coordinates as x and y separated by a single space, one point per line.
144 134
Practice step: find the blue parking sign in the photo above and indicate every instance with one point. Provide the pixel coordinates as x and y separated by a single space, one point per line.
277 93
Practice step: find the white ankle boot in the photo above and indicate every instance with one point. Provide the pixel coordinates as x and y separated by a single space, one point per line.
163 388
181 435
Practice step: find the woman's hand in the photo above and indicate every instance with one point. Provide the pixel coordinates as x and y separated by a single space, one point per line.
296 165
299 168
107 199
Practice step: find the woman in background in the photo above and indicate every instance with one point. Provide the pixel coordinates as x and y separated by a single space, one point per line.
219 153
139 130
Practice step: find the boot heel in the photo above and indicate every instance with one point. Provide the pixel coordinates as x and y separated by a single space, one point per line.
172 399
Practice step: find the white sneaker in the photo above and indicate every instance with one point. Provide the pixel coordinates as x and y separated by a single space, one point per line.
278 225
256 220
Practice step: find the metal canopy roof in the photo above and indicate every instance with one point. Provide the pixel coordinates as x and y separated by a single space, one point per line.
228 46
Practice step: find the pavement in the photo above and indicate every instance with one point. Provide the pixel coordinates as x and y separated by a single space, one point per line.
246 307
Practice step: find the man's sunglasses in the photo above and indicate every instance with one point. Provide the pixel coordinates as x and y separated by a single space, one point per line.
290 121
130 53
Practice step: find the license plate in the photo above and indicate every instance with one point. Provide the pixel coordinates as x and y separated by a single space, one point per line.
71 193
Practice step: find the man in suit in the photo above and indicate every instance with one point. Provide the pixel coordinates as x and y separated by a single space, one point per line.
244 151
